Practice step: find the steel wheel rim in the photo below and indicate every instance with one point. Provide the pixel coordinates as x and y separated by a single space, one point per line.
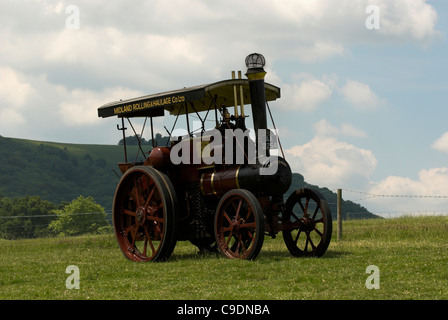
139 216
238 227
309 216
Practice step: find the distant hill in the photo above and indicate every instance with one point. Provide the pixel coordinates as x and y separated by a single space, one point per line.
61 172
350 209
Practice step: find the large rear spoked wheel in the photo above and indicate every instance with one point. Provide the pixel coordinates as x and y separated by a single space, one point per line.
144 215
307 222
239 225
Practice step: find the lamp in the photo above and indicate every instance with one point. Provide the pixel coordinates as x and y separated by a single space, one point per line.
255 61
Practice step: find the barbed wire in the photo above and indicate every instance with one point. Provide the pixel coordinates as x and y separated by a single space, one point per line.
373 195
54 215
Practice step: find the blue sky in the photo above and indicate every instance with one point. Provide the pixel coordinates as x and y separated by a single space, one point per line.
361 109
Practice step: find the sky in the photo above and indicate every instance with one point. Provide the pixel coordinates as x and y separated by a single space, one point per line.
363 82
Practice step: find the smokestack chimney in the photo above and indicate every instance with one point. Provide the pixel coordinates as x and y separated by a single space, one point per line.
255 63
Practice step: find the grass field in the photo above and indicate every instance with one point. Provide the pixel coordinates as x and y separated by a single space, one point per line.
411 254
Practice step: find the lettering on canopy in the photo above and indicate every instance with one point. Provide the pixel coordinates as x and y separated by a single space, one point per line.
142 105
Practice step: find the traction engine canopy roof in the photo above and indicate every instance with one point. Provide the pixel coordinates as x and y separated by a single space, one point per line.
200 98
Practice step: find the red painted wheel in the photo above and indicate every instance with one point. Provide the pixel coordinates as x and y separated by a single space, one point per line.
144 215
239 225
307 222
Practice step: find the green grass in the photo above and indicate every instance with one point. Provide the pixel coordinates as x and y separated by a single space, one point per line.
411 253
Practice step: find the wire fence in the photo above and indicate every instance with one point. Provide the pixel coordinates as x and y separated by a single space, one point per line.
42 225
373 195
32 226
409 211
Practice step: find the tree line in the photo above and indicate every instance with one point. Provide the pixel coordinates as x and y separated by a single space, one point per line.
31 217
159 140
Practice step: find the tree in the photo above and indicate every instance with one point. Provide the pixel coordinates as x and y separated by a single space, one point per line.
133 141
81 216
26 217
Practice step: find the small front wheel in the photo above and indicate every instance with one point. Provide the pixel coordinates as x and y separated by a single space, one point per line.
239 225
308 223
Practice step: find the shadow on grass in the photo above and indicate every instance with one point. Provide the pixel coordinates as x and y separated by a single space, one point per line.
276 255
330 254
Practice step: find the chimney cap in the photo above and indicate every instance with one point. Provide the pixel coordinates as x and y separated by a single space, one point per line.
255 61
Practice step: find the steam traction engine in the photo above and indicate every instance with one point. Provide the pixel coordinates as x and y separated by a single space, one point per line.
226 205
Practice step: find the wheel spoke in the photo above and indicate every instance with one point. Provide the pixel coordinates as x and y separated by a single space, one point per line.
225 215
301 206
143 225
305 211
237 214
134 235
294 215
155 219
248 225
249 213
315 212
227 229
126 230
130 213
150 196
239 225
318 232
311 241
148 239
315 224
238 239
297 237
229 238
145 245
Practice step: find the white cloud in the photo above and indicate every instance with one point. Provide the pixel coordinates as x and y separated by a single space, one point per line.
441 144
426 194
200 32
325 128
11 121
352 131
360 95
408 19
79 108
14 90
319 51
326 161
432 181
159 45
307 92
306 95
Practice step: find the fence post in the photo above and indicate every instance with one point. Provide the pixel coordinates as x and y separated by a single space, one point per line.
339 214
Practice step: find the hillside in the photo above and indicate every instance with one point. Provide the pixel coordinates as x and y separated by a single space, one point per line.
60 172
350 209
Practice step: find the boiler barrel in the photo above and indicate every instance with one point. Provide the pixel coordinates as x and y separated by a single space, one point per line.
247 177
